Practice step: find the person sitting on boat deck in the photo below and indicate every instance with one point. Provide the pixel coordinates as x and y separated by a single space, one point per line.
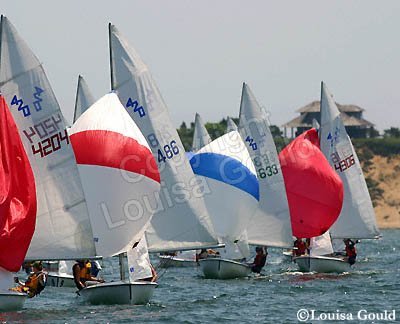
308 245
351 252
202 255
82 273
35 282
259 260
299 247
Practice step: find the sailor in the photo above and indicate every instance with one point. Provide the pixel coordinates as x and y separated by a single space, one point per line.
202 255
153 277
82 273
259 260
299 247
35 282
351 252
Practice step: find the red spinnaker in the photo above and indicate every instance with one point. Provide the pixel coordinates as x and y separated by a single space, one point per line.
17 194
314 190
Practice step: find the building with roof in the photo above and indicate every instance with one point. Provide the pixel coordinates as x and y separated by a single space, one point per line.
356 125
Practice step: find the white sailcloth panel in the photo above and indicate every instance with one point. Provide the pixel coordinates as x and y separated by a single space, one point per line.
139 262
118 172
231 126
63 229
181 221
270 224
321 245
357 218
6 280
84 98
200 136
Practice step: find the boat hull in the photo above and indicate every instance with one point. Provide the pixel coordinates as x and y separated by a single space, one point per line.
60 280
11 301
172 262
321 264
136 293
215 268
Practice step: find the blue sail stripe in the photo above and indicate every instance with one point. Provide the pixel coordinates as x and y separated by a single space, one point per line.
226 169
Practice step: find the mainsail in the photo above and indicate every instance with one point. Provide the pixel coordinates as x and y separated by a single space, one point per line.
200 136
17 194
119 174
314 190
230 125
63 229
84 98
357 218
181 220
270 224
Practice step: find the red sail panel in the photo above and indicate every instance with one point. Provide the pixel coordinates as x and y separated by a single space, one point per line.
17 194
314 190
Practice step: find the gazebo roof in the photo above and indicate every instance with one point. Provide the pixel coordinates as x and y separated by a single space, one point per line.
301 121
314 107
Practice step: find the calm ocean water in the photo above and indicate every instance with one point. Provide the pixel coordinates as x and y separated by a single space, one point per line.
183 296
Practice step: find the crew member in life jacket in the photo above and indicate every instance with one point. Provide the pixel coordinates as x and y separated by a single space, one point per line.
82 273
259 260
299 247
351 252
34 284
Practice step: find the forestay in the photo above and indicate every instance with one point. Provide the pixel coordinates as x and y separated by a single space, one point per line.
270 224
200 136
63 228
181 220
84 98
357 218
118 172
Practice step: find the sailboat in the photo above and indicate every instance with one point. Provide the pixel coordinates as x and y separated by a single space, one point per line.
200 136
270 225
230 125
231 178
181 220
357 217
60 272
17 207
63 230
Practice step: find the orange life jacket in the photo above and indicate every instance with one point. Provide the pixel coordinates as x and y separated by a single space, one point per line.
34 285
84 273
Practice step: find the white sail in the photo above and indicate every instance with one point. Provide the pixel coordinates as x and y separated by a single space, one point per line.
200 136
139 262
321 245
315 124
231 126
270 224
84 98
233 184
181 221
357 218
118 174
63 229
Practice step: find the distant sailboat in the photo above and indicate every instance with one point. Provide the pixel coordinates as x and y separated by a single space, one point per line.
200 136
270 225
230 125
84 98
181 220
63 229
231 178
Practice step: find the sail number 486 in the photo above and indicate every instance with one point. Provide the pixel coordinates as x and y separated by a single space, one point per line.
168 151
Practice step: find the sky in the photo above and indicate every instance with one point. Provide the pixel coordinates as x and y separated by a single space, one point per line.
200 52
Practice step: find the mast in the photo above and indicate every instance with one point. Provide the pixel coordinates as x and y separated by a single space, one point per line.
77 95
111 58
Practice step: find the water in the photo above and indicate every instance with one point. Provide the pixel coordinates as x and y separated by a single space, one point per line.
183 296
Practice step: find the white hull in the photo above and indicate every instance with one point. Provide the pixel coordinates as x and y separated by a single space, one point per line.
215 268
11 301
322 264
167 261
60 280
119 293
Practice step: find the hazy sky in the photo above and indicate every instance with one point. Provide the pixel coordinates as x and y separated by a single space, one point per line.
200 52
